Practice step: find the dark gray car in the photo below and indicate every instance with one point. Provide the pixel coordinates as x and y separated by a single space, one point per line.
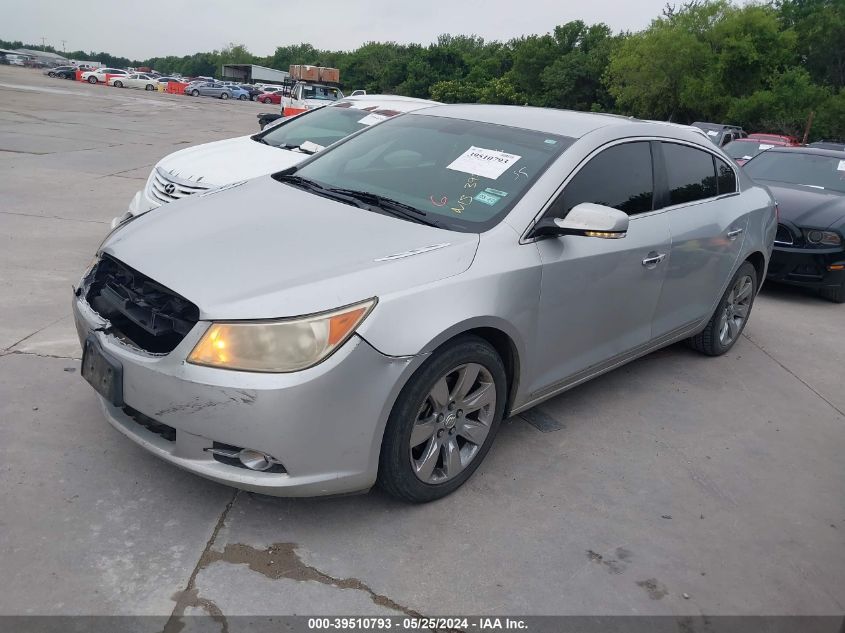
209 89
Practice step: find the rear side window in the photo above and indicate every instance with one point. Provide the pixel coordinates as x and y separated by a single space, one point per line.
725 177
690 173
620 177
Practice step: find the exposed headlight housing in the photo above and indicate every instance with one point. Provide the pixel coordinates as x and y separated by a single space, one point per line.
278 346
817 237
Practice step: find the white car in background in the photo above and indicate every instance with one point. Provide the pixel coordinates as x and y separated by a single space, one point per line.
99 75
135 80
279 146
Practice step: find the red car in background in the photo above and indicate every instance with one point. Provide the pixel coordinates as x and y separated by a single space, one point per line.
744 149
270 97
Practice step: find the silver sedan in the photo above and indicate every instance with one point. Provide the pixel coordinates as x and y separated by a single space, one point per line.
371 315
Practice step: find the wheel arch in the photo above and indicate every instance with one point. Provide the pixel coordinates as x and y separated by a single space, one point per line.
758 260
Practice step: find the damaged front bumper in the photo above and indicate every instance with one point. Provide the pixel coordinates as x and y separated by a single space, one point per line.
323 425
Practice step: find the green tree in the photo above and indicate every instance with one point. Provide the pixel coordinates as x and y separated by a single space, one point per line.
783 107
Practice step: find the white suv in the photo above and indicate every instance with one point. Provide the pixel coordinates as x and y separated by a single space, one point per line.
99 74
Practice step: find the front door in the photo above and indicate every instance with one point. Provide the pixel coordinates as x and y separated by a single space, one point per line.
598 296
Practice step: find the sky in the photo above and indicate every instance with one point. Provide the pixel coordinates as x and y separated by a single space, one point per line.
155 28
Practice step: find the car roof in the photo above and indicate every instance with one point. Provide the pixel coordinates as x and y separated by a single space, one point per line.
562 122
393 102
760 140
815 151
835 145
716 126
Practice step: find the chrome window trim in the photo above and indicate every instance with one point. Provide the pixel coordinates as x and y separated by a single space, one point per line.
524 239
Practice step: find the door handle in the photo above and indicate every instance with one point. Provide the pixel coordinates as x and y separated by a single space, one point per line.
653 260
733 234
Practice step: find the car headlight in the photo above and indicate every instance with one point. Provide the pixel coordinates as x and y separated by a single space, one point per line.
278 346
822 238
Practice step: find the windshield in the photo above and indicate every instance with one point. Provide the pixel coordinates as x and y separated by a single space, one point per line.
321 93
797 168
462 175
745 150
323 127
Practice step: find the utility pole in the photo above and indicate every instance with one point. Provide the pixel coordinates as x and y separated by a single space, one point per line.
43 44
63 46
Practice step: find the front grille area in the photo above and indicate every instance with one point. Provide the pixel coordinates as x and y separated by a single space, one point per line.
784 236
166 187
147 314
162 430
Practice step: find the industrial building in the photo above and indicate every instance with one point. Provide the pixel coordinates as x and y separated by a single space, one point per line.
48 59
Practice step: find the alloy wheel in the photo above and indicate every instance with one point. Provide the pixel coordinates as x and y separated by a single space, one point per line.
452 423
735 313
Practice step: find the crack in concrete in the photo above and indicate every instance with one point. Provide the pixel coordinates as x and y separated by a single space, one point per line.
29 336
280 560
53 217
190 597
13 352
20 151
793 374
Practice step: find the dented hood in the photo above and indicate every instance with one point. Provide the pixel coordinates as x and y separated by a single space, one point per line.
264 249
230 160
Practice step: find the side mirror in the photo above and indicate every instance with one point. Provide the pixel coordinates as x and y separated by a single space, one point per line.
587 220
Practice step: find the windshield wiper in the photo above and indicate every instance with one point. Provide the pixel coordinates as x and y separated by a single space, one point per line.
361 199
298 148
394 207
304 183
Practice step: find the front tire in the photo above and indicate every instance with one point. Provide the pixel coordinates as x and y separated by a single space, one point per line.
242 98
443 422
731 315
834 293
195 93
92 80
149 87
118 84
224 95
268 100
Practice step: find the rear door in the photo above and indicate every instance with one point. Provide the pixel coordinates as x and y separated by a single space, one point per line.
598 296
698 191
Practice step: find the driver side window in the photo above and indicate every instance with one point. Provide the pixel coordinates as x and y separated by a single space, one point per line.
621 177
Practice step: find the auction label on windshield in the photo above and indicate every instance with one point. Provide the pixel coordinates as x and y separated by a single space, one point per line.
841 166
487 163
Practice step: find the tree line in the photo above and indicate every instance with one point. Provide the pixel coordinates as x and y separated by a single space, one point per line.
764 66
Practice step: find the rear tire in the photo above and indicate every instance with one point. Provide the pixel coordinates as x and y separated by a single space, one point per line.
149 87
243 98
438 432
268 100
224 95
92 80
728 321
836 294
118 84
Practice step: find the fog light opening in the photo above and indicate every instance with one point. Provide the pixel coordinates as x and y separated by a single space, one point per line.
257 460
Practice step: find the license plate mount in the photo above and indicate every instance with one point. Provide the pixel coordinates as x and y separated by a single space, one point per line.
102 371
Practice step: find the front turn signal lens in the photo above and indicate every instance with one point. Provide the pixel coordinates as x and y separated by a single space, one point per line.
278 346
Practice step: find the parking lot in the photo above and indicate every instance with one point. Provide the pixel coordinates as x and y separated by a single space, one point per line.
677 484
